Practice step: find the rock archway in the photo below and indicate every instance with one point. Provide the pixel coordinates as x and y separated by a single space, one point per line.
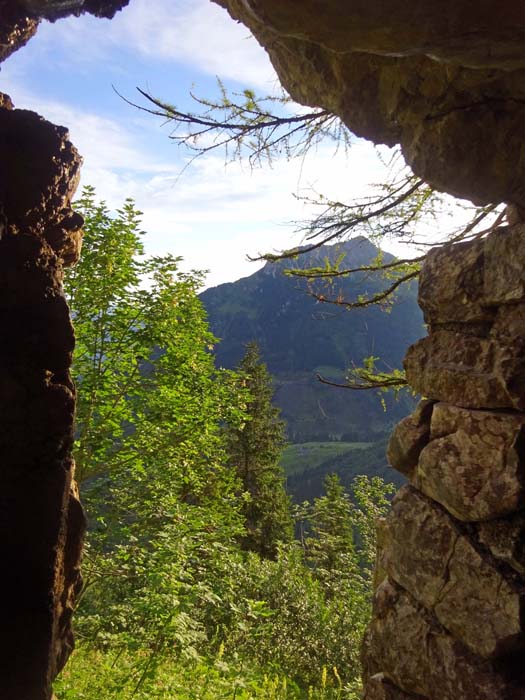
447 82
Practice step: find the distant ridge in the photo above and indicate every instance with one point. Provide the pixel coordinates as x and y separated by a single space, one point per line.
300 337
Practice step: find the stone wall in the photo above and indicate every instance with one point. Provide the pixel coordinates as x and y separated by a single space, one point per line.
449 604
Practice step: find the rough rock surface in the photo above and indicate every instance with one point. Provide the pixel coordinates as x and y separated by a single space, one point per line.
42 522
445 80
430 556
504 269
505 540
474 463
41 519
16 27
458 295
407 644
452 551
381 688
467 370
410 436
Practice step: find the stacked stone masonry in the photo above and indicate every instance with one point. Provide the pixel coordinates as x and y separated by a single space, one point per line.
451 566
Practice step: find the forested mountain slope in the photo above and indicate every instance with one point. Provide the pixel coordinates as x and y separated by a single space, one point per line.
300 337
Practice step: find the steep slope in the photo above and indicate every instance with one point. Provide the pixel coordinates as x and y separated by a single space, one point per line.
300 337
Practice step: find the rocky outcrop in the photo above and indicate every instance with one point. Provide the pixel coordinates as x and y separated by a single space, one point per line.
42 521
445 80
449 605
19 19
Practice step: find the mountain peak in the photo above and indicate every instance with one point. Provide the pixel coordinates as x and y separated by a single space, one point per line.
300 337
354 252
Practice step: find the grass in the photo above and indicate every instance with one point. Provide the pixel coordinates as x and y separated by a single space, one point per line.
97 675
302 457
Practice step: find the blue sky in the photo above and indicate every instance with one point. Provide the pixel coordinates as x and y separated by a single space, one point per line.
214 214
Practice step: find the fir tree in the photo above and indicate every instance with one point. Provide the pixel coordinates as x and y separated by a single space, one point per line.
254 452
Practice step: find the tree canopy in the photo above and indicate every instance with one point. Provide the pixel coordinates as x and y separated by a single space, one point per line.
172 606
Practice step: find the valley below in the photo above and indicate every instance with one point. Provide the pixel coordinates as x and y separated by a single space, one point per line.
330 429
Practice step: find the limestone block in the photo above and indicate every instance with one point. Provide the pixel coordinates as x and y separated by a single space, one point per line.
413 650
394 28
509 323
378 687
467 370
429 556
408 439
451 284
504 274
505 539
474 464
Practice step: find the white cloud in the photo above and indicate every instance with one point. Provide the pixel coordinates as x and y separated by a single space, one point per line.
196 33
212 214
215 215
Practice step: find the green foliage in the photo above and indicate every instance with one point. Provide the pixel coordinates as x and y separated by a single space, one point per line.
161 500
294 625
254 450
172 606
317 593
244 124
115 679
330 548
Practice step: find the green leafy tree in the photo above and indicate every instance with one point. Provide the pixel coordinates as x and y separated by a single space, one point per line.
171 604
254 449
161 500
317 593
341 531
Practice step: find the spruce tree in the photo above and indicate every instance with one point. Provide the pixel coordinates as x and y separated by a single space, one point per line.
254 452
